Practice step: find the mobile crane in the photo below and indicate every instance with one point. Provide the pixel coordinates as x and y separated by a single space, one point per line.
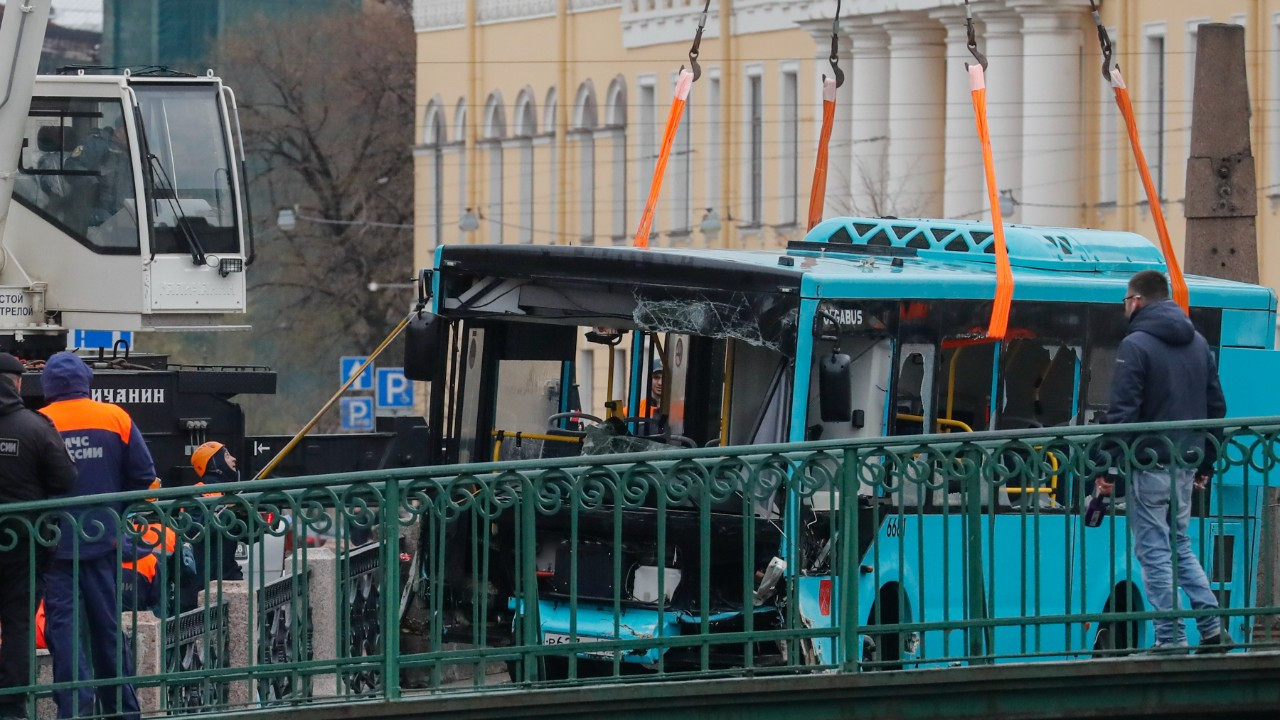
123 206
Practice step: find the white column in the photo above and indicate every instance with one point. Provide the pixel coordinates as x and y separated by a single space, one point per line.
1003 36
869 116
840 179
917 124
965 184
1052 142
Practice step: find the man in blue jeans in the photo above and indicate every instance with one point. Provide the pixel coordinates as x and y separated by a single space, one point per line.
80 587
1165 371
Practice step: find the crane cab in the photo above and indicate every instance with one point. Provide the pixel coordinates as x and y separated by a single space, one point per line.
130 210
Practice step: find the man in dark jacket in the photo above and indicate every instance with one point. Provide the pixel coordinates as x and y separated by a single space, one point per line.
1166 371
34 465
110 456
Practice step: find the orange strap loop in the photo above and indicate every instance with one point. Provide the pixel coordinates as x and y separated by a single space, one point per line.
1176 280
683 85
817 195
1004 272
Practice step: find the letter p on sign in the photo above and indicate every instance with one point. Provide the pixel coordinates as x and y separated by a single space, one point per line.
395 392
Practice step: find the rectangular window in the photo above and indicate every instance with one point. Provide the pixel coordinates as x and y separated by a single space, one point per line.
755 150
646 143
437 195
464 191
1272 130
618 195
1193 35
526 191
76 172
790 171
587 185
714 152
495 192
1108 145
1154 96
681 161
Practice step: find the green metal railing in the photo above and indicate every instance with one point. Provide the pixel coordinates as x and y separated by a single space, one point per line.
847 556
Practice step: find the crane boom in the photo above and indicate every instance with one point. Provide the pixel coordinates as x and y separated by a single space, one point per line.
21 41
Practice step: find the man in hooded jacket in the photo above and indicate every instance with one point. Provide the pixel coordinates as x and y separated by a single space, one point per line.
34 465
110 456
1166 371
214 463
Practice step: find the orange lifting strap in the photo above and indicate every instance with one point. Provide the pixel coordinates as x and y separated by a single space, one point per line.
1112 75
683 85
817 195
1178 284
1004 272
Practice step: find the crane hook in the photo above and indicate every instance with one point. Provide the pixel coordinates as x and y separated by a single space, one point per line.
973 37
697 43
835 48
1104 40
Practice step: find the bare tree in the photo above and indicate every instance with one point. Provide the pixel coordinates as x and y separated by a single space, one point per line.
327 105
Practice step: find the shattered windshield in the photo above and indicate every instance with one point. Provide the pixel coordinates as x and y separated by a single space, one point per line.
730 315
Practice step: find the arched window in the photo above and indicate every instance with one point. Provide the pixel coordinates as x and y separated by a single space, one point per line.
551 124
465 201
526 119
495 129
680 182
435 135
616 120
585 121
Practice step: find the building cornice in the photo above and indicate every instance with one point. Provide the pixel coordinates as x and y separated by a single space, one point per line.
429 15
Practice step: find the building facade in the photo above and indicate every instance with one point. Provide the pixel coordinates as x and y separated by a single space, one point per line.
539 120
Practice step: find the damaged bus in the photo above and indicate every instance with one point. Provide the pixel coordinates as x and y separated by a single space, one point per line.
867 328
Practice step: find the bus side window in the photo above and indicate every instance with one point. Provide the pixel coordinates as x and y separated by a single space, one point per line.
913 404
1038 385
870 371
965 393
1102 365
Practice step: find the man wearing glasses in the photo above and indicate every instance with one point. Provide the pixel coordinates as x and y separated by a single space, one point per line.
1165 371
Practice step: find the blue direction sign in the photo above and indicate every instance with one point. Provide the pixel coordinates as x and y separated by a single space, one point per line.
395 391
347 367
357 414
92 339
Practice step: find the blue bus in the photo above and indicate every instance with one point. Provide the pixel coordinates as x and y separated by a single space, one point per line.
745 341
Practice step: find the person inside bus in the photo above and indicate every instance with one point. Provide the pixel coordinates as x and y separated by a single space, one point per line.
1166 371
652 404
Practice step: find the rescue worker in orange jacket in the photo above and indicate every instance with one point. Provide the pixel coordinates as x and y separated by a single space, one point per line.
110 456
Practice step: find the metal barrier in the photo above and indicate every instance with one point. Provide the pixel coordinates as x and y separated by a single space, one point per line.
847 556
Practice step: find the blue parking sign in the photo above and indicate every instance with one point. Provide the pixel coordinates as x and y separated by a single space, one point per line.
347 367
357 414
395 391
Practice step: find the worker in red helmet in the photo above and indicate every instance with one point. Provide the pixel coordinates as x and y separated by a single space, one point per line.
214 463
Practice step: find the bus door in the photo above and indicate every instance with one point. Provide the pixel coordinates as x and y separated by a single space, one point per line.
512 384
